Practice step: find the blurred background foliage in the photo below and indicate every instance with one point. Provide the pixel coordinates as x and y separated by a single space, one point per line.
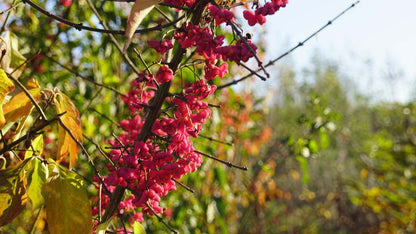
321 158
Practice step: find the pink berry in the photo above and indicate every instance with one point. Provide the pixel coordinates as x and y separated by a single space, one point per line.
66 3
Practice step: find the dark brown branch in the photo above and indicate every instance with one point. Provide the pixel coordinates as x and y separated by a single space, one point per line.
31 132
80 26
153 112
272 62
229 164
253 72
162 4
213 105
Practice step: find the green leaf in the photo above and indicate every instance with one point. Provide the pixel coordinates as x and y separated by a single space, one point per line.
313 146
324 140
12 59
37 147
101 229
138 228
304 166
38 178
265 168
13 196
220 176
221 206
66 201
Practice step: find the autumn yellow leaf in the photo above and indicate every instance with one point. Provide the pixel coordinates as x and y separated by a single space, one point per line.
71 119
68 209
20 104
13 195
6 86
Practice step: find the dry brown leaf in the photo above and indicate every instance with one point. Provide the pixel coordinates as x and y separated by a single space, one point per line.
138 12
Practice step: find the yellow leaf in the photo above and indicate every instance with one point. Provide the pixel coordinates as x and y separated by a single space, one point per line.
71 119
68 209
6 86
37 147
32 84
138 228
140 9
13 195
20 104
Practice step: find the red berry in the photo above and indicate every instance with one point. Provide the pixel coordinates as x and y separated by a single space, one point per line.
66 3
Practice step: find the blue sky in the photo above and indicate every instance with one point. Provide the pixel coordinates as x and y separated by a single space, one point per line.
374 39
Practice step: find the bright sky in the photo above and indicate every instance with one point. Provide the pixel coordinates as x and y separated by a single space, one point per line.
377 32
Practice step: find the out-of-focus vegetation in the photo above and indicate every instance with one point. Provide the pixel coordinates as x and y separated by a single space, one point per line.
321 159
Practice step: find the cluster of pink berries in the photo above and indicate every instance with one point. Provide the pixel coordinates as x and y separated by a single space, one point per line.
148 168
259 15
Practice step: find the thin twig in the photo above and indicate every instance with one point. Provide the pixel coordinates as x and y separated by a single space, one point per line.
85 152
164 15
31 132
33 229
183 185
272 62
259 62
3 27
83 77
141 59
105 117
253 72
215 140
213 105
229 164
161 220
32 99
113 39
96 172
11 8
99 149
